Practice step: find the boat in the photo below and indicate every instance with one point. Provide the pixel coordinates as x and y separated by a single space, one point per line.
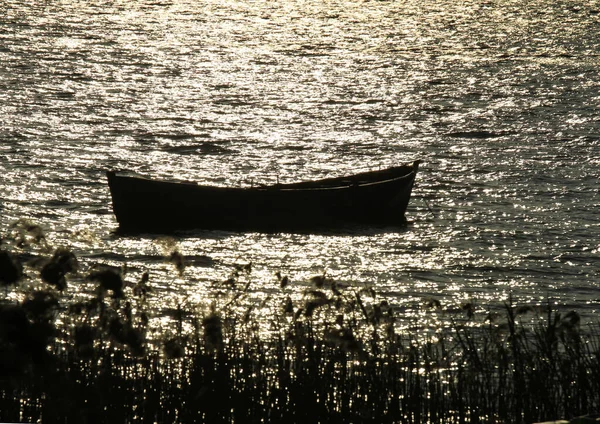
374 199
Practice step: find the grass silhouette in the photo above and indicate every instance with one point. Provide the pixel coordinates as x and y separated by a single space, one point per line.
332 356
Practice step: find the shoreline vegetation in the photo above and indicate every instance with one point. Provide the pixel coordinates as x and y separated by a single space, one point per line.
333 356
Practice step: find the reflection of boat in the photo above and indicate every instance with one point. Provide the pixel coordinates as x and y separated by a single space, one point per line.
376 198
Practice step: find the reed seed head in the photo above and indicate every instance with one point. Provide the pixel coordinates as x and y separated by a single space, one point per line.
109 279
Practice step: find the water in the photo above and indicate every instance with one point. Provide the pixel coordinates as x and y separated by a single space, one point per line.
499 98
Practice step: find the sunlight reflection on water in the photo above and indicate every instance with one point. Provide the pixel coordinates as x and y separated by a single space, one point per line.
500 100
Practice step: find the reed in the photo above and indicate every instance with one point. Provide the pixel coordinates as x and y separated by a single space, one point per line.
333 356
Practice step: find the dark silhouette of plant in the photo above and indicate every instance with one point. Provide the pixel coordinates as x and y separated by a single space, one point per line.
62 262
11 269
310 351
109 279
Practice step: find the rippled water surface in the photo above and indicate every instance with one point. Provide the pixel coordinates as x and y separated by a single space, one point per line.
500 99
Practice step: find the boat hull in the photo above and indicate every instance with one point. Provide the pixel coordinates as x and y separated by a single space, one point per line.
377 198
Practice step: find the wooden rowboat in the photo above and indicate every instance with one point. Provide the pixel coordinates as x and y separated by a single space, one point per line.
375 198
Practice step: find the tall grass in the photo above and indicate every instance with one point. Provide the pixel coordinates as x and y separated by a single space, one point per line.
334 356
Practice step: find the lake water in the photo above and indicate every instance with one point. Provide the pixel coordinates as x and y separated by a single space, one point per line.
500 99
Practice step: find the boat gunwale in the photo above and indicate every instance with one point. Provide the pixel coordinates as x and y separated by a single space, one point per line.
285 187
